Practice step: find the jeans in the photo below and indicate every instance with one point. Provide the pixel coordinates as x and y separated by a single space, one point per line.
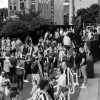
13 74
84 73
2 96
49 68
20 81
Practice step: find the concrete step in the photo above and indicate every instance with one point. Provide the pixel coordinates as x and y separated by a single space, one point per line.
91 92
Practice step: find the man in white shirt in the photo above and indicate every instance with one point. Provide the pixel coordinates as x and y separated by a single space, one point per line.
67 42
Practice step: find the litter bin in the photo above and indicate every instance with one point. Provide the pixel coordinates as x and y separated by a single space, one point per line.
90 67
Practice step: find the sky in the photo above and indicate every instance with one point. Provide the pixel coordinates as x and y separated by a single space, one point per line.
3 3
84 3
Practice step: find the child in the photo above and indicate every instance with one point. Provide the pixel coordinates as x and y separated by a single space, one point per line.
14 95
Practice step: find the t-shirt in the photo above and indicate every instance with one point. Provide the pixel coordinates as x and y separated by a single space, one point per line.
7 65
62 80
83 55
50 57
13 61
25 50
74 61
66 41
60 39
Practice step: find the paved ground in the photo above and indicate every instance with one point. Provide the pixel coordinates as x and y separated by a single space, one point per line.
92 92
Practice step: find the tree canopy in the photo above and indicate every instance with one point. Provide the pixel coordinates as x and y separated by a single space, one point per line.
15 28
89 15
25 24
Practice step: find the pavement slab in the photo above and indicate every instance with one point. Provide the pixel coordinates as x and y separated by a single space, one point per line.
92 92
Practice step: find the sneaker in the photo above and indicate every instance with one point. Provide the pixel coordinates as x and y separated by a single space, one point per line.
26 81
79 76
77 83
84 86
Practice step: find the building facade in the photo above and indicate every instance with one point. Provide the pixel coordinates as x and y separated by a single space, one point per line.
55 10
20 5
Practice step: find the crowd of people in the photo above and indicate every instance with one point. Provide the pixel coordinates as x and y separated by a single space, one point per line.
55 66
90 32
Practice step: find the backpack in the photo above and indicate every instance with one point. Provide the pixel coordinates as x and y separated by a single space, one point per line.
34 67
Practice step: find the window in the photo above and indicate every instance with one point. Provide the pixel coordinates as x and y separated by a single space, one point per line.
10 7
32 6
66 9
66 19
21 6
14 7
10 0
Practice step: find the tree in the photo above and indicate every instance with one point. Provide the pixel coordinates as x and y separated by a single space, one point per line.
15 28
25 24
27 16
33 19
3 13
89 15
